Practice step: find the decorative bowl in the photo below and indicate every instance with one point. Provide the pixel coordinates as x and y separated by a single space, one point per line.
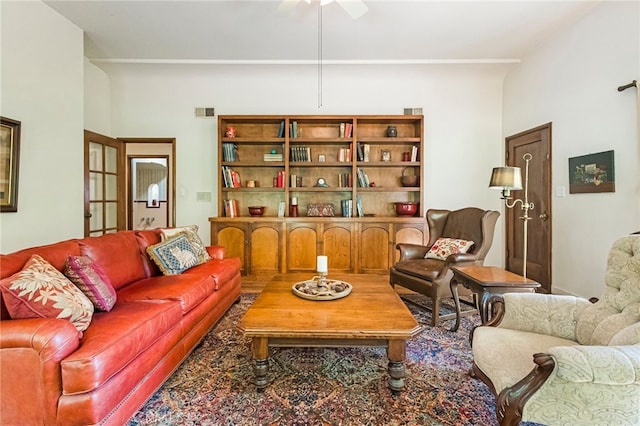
256 210
406 208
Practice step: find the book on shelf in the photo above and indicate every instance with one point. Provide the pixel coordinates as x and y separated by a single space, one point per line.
281 130
273 157
231 208
281 209
341 132
293 129
279 180
229 152
300 153
344 154
359 206
414 153
348 130
344 180
366 149
347 208
363 179
230 177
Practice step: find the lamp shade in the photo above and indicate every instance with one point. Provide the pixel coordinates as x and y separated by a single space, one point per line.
506 178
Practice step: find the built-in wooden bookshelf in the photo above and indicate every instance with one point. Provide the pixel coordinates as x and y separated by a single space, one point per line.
276 161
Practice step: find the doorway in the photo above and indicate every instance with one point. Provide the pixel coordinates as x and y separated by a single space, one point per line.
536 142
150 161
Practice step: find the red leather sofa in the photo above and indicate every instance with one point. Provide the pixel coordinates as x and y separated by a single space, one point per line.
50 374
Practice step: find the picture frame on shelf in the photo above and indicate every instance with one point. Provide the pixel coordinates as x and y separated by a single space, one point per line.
9 163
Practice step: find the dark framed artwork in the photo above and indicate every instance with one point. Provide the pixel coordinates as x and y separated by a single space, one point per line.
592 173
9 162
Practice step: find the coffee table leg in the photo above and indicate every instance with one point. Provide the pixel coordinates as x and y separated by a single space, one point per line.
397 354
260 355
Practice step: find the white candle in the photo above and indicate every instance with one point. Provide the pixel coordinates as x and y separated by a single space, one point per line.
294 201
322 264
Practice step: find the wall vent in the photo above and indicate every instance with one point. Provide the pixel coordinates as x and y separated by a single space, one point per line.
203 112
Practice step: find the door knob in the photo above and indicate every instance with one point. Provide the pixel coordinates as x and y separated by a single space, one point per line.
544 216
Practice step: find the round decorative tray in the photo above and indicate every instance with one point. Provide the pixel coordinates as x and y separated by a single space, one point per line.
318 289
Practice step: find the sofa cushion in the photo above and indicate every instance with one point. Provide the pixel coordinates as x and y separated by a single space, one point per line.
444 247
91 280
193 237
117 254
41 291
173 256
505 356
221 270
114 339
188 290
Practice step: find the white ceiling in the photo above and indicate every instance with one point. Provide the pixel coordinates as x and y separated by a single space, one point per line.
241 31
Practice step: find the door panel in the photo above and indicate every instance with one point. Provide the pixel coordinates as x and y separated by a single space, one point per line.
104 185
536 142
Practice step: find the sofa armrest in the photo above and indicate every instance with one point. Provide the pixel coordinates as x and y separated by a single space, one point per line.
411 251
216 252
553 315
30 354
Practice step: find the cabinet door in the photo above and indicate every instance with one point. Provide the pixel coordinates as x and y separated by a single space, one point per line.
302 242
375 247
232 237
265 243
337 244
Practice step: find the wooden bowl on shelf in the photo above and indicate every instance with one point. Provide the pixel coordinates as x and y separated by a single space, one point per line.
256 210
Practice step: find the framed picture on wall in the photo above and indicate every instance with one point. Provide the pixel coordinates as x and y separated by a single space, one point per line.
9 162
592 173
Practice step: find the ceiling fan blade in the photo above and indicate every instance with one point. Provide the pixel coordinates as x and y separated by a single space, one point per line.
287 6
355 8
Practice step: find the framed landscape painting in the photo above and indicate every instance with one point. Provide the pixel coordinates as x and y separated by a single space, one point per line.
592 173
9 161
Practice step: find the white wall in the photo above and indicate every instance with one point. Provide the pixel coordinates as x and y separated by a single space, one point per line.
42 86
572 82
462 108
97 99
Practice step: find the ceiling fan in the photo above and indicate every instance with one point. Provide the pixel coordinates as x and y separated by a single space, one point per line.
355 8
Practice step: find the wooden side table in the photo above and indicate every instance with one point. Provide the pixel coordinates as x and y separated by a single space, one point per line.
487 281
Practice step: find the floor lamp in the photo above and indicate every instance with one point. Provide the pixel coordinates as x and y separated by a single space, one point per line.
509 179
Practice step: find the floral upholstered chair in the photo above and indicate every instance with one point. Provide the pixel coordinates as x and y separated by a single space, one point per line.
563 360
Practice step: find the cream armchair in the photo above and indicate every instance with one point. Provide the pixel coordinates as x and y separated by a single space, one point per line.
561 360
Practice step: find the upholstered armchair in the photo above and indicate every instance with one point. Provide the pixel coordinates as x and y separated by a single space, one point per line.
554 359
431 276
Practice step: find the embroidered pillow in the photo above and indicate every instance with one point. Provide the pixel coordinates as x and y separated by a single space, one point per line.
91 279
41 291
443 247
173 256
192 236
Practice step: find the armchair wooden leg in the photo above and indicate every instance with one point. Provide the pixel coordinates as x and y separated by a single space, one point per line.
435 313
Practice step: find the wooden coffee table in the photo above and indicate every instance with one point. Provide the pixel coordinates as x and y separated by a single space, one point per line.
488 282
372 315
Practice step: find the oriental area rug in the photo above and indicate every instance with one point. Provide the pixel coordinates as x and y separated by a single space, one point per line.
324 386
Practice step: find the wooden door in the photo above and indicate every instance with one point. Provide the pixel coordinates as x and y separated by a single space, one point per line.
536 142
104 185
